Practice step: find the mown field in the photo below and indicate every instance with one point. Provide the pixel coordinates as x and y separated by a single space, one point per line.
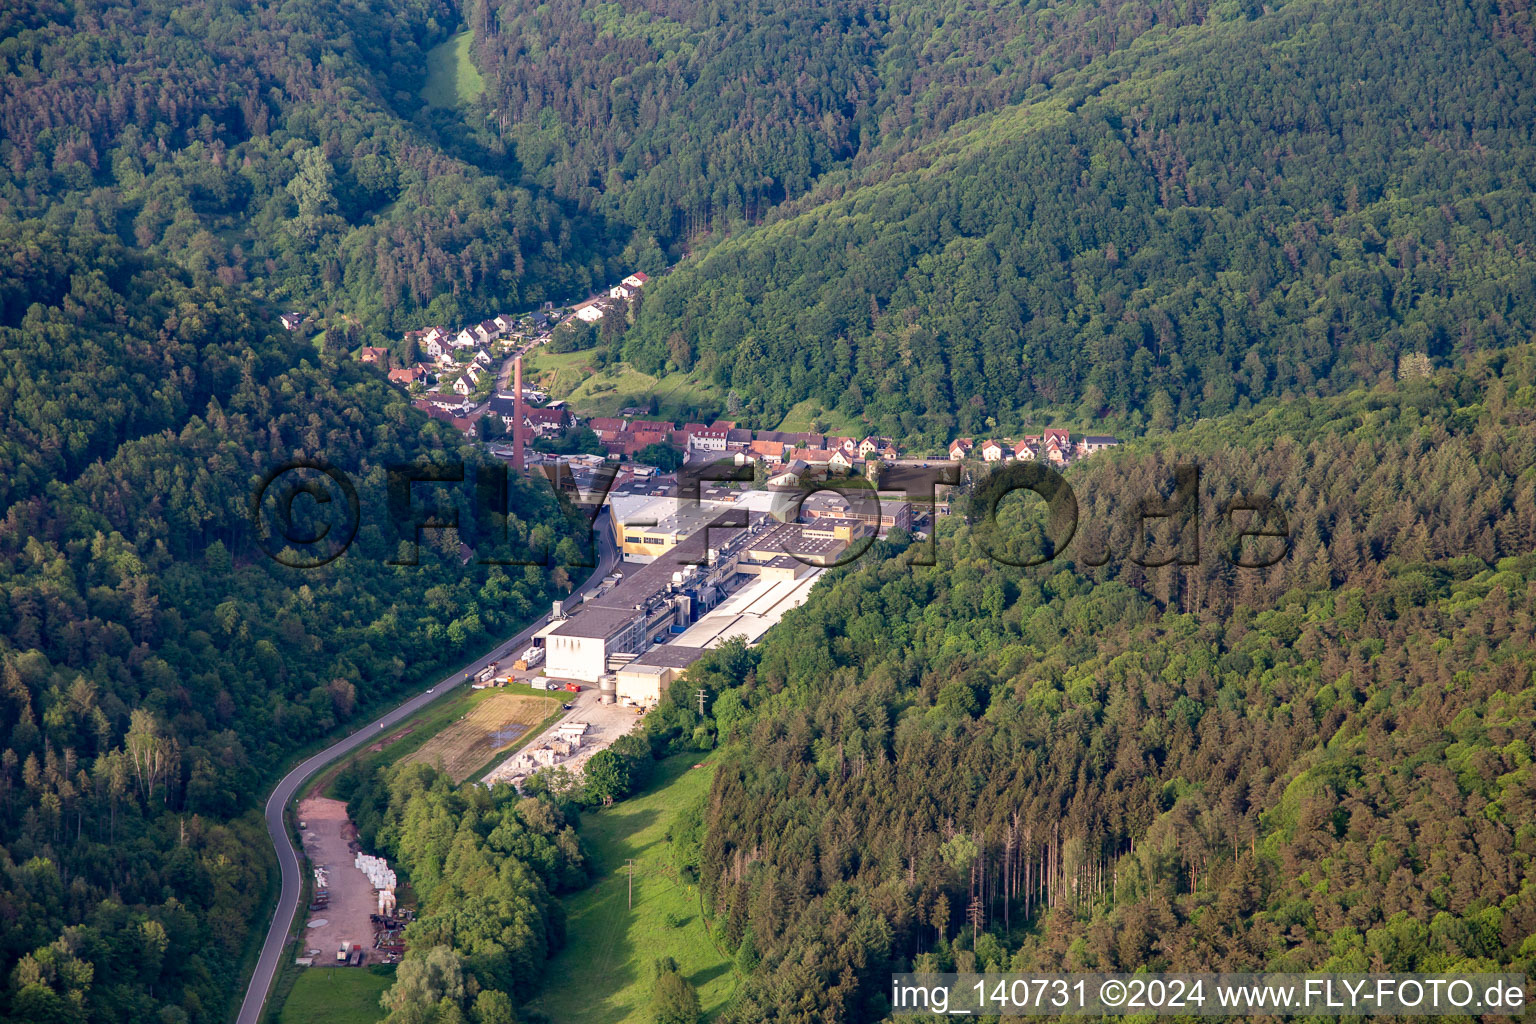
570 375
452 78
495 723
603 975
337 995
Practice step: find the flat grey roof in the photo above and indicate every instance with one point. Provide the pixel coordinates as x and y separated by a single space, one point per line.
595 622
603 616
668 656
790 538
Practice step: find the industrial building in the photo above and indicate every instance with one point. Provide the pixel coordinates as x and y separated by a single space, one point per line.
719 552
648 602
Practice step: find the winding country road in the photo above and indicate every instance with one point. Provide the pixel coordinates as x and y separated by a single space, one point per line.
288 857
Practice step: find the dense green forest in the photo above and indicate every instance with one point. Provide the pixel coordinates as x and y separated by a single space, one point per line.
1293 242
486 865
1326 764
285 150
156 666
1261 204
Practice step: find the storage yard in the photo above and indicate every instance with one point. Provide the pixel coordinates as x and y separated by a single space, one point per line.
343 909
495 723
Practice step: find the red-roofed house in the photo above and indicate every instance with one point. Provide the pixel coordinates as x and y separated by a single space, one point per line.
770 453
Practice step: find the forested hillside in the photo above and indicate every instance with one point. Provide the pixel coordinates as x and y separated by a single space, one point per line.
1263 203
283 148
487 866
682 117
156 666
1322 765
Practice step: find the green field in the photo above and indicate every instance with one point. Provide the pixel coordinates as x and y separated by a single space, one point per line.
409 736
336 995
603 975
804 416
452 78
569 375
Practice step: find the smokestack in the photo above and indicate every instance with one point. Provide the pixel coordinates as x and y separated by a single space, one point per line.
517 414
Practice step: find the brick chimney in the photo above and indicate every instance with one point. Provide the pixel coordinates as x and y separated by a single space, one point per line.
517 414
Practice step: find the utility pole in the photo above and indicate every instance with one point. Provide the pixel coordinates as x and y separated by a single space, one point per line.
701 703
631 862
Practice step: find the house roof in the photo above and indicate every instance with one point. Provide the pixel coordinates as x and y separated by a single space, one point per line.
545 415
609 423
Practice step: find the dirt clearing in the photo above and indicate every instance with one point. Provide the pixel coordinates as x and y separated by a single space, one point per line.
491 726
327 837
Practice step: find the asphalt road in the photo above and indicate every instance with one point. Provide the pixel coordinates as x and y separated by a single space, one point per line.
277 829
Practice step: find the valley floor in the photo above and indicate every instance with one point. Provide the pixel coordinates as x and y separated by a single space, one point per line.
603 975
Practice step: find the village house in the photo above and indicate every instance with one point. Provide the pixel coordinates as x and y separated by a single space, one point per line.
821 458
487 330
408 375
770 453
708 439
637 280
589 314
1096 443
991 451
873 446
547 421
292 321
622 291
370 354
436 349
1024 451
606 427
449 402
790 476
466 338
651 426
504 408
960 448
505 324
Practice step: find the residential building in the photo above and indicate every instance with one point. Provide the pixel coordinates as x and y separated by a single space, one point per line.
709 439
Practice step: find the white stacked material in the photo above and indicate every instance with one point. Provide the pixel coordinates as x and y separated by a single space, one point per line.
321 881
377 870
386 902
